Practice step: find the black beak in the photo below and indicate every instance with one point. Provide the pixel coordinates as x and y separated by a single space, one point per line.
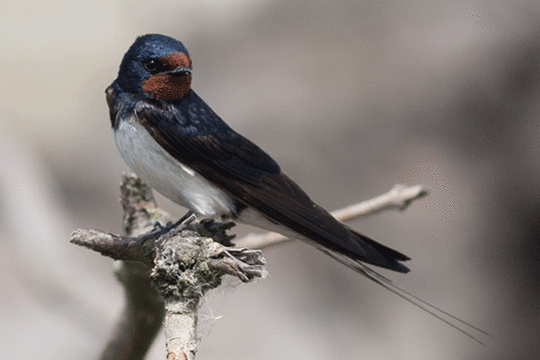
181 71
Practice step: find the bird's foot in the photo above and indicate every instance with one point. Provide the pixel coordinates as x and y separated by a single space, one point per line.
215 230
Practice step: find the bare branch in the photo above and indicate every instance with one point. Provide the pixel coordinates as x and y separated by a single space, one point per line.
243 263
185 266
143 311
108 244
399 197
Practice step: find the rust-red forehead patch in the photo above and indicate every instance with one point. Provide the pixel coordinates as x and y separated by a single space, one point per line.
176 60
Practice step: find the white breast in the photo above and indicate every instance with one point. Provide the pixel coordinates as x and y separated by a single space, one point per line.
176 181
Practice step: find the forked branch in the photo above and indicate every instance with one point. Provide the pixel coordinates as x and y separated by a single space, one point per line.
165 278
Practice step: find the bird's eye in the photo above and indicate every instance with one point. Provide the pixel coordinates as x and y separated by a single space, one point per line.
153 66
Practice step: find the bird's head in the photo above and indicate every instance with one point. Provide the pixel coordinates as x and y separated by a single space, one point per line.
157 66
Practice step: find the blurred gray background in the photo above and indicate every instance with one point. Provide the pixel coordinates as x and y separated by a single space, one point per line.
350 97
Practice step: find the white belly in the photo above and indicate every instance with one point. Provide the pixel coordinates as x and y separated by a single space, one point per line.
174 180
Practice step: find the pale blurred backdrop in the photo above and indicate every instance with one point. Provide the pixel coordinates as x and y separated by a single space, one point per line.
350 97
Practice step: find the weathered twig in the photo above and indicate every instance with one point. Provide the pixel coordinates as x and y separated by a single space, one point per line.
399 197
184 266
143 312
187 266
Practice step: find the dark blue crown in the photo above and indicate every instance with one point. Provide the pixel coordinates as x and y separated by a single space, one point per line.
150 46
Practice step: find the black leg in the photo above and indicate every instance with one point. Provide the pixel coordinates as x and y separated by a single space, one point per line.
185 220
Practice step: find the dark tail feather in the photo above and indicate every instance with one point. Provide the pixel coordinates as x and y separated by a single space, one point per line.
378 254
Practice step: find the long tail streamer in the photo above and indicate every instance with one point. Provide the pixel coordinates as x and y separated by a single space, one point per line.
414 300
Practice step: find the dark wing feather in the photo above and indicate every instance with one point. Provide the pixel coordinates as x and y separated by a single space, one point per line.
250 175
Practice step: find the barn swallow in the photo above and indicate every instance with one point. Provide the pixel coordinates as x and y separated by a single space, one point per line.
174 142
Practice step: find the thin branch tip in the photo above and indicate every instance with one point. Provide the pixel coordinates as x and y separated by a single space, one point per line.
403 195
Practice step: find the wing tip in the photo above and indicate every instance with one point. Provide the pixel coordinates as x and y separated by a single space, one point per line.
399 267
378 254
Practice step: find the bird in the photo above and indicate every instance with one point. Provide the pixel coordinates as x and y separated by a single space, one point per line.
172 140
